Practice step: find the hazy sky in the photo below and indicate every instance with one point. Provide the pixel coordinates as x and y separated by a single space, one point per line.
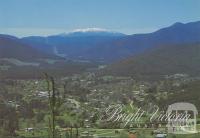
45 17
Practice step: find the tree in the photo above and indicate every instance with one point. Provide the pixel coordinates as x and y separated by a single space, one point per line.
9 121
54 104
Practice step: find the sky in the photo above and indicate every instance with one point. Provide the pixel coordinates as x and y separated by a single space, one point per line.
47 17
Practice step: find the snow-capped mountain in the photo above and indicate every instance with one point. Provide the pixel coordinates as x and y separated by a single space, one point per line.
104 45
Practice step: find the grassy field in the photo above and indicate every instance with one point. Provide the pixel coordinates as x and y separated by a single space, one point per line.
102 133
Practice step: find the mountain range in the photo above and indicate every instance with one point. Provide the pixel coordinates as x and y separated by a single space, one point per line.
74 45
168 50
107 46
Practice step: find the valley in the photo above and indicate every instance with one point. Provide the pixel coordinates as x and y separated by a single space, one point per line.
62 86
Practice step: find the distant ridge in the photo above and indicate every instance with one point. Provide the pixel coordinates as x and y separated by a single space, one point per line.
165 60
12 47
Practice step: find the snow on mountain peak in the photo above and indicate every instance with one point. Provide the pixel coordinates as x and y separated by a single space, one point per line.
90 30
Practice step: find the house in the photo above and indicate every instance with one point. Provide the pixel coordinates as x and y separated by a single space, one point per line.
29 129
